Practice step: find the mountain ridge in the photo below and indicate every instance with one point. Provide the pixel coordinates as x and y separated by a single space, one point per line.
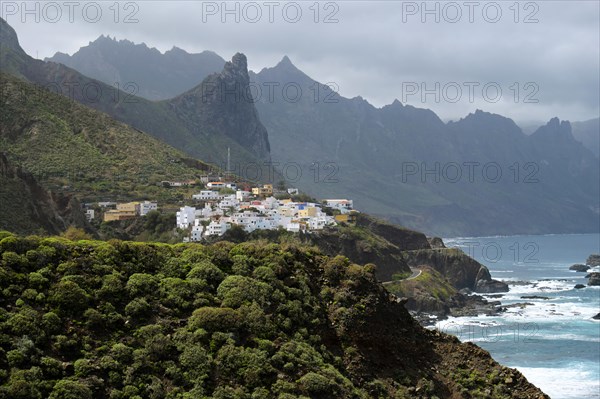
381 157
208 142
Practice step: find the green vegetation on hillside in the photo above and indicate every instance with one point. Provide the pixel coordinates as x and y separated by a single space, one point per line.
255 320
428 282
63 143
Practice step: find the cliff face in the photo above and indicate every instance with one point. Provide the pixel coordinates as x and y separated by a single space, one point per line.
404 239
223 103
385 255
461 270
371 240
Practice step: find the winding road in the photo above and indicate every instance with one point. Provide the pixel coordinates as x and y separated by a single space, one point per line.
415 273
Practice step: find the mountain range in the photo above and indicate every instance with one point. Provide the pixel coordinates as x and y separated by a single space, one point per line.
184 122
480 175
172 73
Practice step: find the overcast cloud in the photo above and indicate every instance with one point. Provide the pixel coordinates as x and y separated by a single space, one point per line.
380 50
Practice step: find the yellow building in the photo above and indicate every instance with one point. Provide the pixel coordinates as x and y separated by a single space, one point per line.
346 217
307 212
129 207
265 191
111 215
127 210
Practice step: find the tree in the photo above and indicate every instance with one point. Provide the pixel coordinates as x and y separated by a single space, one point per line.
235 234
142 284
75 234
206 270
69 296
215 319
235 291
69 389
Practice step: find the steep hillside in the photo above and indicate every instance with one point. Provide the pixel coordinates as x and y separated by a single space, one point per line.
97 320
63 143
209 142
27 207
124 62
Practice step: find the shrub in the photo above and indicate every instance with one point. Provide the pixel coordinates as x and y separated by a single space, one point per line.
69 389
206 270
335 269
215 319
138 308
69 296
142 284
316 384
235 291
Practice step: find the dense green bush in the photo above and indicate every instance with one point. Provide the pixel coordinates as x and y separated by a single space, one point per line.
125 320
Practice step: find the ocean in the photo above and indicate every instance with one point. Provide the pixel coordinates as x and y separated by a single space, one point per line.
553 341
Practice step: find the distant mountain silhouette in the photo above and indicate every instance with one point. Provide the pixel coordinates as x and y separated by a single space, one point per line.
123 62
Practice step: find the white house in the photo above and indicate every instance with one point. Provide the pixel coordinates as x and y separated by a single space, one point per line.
270 203
344 205
319 222
242 195
207 195
146 207
197 231
185 216
89 214
205 212
216 184
294 227
229 201
216 228
292 191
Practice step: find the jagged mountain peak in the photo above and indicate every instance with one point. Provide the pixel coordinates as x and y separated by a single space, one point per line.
158 76
176 50
396 103
554 129
488 122
285 63
238 62
236 69
285 70
225 93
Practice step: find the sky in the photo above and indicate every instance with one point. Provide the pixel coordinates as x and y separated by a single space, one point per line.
527 60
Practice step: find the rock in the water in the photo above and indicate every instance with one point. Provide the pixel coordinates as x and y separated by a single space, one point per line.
594 279
597 317
579 286
593 260
490 286
535 297
580 268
